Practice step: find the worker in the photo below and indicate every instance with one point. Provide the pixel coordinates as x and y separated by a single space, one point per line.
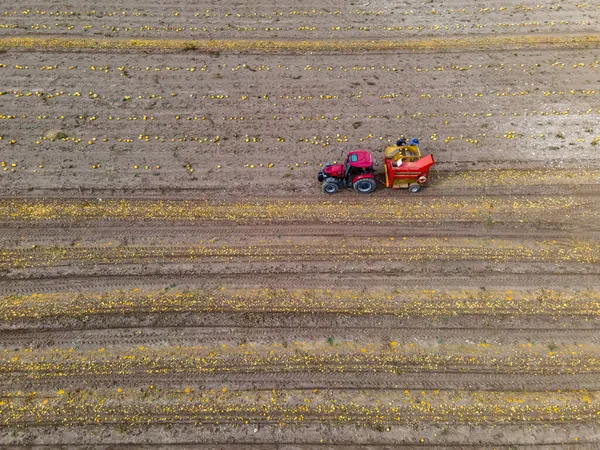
414 141
400 142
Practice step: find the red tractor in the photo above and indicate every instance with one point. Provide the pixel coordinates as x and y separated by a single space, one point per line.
403 166
357 173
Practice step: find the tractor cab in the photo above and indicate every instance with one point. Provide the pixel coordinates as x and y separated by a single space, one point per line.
358 163
361 159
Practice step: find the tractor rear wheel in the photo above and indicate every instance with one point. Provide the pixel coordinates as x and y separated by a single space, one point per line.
365 186
330 187
414 188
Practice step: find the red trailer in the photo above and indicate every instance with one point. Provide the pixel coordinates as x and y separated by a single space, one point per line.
405 168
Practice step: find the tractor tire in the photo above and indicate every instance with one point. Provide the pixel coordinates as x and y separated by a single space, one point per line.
330 187
365 186
414 188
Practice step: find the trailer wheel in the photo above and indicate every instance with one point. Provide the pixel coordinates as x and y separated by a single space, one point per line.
365 186
330 187
414 188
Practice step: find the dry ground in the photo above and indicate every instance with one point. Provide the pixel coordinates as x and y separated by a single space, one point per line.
172 274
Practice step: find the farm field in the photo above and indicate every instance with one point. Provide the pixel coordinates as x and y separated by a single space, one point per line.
172 276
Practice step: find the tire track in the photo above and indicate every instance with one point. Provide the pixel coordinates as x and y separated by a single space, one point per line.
377 329
388 323
300 280
364 380
67 233
582 190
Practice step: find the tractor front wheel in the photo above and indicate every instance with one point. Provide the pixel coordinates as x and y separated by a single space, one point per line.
365 186
330 187
414 188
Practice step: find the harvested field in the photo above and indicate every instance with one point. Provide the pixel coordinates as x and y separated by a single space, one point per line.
173 277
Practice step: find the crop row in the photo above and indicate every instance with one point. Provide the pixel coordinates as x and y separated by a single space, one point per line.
125 70
404 303
278 46
125 27
163 118
380 210
329 116
324 141
208 13
154 405
321 357
268 98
